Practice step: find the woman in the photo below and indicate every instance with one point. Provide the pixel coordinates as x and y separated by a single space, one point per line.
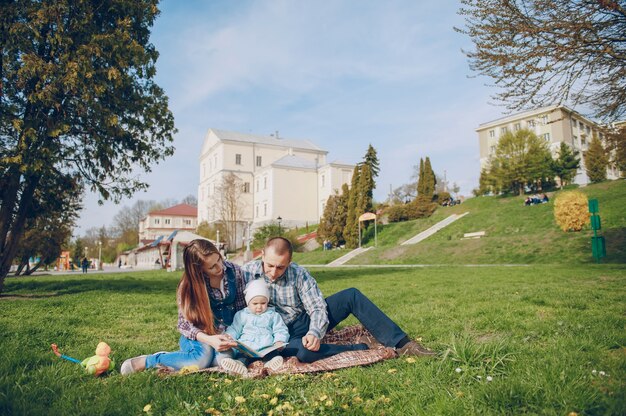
209 293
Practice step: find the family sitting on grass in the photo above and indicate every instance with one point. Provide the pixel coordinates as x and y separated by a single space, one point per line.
215 308
536 199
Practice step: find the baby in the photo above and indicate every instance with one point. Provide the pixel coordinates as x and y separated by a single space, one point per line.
257 326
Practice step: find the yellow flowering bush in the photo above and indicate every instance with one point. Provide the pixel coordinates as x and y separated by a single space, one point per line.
571 210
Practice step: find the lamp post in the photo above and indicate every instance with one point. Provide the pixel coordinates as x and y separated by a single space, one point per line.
99 255
280 230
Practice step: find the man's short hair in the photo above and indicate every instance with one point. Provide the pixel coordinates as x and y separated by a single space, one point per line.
280 245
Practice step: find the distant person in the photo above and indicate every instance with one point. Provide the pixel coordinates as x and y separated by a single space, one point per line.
119 264
85 264
545 199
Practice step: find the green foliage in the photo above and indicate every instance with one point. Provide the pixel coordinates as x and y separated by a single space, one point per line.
616 139
420 207
351 232
521 158
371 159
571 210
333 222
430 181
539 335
421 179
596 161
566 164
79 103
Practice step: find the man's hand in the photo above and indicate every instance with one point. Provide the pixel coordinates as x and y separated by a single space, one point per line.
311 342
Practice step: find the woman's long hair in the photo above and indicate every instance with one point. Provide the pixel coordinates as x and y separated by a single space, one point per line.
192 290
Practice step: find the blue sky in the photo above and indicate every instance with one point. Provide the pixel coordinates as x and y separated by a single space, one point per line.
342 74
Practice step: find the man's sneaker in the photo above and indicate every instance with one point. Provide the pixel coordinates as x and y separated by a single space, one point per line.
234 366
133 365
275 363
415 348
368 340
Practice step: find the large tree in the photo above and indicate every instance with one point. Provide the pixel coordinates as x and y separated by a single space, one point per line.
78 101
430 181
542 52
566 164
616 146
230 206
371 159
521 159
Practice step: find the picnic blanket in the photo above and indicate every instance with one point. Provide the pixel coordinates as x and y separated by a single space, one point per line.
292 365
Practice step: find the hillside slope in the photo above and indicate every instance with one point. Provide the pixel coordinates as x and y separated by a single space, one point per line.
515 234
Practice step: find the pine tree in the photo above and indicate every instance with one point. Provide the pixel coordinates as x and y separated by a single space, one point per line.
429 179
339 223
420 179
566 164
596 161
351 232
371 159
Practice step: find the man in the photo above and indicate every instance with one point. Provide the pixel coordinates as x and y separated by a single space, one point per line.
297 298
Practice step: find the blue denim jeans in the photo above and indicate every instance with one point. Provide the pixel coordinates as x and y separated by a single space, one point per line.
339 307
191 353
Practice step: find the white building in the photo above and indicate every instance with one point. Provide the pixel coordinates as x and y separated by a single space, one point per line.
166 221
278 177
555 124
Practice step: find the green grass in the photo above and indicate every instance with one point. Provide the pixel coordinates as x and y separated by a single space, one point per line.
538 331
515 234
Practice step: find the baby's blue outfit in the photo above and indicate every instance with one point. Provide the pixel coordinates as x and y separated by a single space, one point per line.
256 331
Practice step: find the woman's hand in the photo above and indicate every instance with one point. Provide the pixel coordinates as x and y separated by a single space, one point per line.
220 342
279 344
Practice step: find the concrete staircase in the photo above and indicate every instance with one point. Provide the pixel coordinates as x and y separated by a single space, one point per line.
432 230
347 257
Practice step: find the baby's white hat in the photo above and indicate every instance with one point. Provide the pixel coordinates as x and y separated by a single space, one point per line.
255 288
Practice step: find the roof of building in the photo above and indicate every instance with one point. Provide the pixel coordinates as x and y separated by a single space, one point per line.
291 161
183 210
267 140
529 113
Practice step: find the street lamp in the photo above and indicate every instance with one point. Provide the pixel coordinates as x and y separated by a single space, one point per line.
99 255
280 231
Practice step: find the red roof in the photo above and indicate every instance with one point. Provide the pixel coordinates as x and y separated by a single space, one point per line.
184 210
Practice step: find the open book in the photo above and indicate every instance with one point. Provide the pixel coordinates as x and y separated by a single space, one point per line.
252 353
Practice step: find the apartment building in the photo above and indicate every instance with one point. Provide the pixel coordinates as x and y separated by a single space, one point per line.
165 221
279 177
555 124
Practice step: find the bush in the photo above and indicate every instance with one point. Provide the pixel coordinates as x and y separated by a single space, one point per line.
397 213
421 207
571 211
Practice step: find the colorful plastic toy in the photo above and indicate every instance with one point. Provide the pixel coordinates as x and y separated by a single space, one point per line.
97 364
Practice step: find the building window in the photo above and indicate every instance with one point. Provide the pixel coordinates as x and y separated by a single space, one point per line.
187 222
167 221
574 123
246 187
581 125
264 209
530 124
503 130
492 133
588 130
323 181
257 211
157 221
492 149
238 159
574 141
583 141
265 182
258 160
544 119
517 126
546 137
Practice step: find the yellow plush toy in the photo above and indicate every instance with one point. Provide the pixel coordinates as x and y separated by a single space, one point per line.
97 364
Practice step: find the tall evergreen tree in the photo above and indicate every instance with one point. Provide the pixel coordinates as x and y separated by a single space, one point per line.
341 215
371 159
351 232
596 161
566 164
420 179
429 179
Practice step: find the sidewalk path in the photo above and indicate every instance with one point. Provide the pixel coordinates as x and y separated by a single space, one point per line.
432 230
347 257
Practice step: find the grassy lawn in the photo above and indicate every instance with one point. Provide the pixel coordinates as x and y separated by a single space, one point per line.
542 334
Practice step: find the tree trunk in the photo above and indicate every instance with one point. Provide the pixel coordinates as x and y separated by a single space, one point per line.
34 269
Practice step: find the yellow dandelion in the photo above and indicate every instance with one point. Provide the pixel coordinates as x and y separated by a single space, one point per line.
357 399
323 397
209 398
227 381
459 394
354 390
572 414
387 400
287 406
270 413
392 370
240 399
328 403
278 390
274 400
345 406
147 408
410 360
265 396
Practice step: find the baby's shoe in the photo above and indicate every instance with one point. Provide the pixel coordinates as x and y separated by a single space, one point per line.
234 366
275 363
